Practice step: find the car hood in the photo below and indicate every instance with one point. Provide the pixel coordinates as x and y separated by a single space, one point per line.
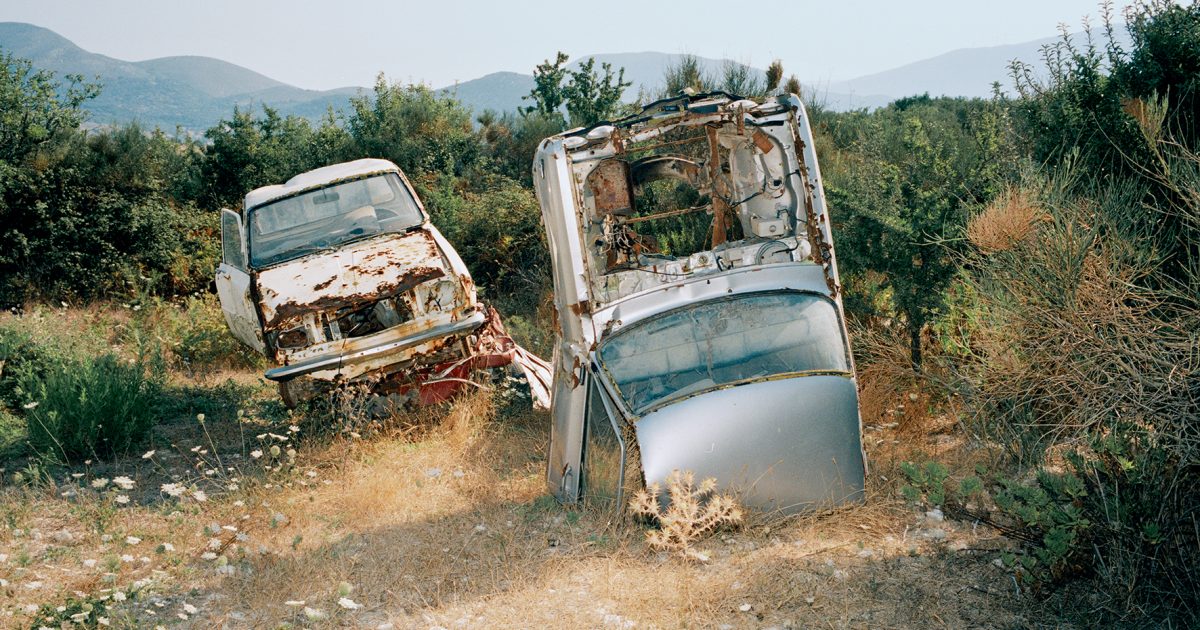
359 272
786 444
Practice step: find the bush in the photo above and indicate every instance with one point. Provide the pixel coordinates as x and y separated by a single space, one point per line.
1083 364
201 338
1118 508
21 358
95 408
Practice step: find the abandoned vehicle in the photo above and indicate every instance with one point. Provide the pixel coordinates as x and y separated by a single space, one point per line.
338 277
701 324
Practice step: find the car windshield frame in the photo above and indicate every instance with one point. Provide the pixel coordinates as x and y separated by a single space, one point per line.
637 405
338 213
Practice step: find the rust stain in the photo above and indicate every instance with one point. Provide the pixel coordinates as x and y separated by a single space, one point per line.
289 311
324 285
763 141
610 184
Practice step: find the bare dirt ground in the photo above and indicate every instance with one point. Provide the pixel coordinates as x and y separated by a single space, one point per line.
253 518
448 525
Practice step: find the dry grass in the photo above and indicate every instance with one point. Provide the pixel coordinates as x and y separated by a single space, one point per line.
1007 221
442 519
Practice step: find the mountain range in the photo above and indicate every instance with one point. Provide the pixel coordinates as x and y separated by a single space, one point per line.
195 92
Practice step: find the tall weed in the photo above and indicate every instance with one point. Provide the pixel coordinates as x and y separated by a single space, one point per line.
92 408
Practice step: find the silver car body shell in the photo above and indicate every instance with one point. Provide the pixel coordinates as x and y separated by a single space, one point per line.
789 443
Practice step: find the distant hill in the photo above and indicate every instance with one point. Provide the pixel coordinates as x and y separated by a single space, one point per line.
498 91
964 72
504 91
192 92
196 92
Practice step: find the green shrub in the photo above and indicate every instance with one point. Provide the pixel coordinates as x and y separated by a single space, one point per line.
92 408
201 338
1120 508
22 358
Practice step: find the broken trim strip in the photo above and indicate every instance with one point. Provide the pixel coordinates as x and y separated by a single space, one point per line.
318 364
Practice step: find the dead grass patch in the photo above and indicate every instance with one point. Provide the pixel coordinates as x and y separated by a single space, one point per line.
1008 220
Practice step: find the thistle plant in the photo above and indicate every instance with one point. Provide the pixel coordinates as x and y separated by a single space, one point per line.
693 512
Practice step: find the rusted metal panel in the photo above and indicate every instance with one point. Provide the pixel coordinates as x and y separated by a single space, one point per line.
609 183
358 273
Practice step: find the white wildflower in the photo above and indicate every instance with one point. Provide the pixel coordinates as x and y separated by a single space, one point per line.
348 604
208 555
125 483
132 540
126 558
200 496
190 609
313 614
31 405
122 499
173 489
99 482
119 596
147 454
256 453
294 602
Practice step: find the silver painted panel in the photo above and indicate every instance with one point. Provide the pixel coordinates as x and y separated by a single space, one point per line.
786 444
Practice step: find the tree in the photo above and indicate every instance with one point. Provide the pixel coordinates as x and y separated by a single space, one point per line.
921 165
35 110
548 94
248 151
587 96
592 98
414 127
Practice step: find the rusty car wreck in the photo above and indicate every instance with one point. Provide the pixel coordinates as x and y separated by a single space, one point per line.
701 325
338 276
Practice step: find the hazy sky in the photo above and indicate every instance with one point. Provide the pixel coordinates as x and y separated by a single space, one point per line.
323 45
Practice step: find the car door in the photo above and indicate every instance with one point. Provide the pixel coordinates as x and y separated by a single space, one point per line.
233 284
604 461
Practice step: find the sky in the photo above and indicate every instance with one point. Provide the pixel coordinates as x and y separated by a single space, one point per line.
323 45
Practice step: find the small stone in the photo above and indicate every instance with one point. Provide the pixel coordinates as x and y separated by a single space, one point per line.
745 607
935 515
